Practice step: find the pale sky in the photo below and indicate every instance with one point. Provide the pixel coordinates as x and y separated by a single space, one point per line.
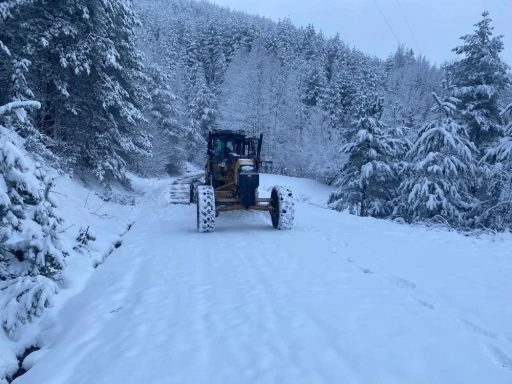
431 27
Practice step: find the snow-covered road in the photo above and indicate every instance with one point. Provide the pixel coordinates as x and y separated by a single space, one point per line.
338 299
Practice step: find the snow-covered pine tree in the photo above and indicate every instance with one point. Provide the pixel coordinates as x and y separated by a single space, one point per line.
441 170
312 48
286 42
202 105
31 252
479 77
410 83
246 96
367 76
214 56
496 211
88 75
165 125
337 92
351 79
368 182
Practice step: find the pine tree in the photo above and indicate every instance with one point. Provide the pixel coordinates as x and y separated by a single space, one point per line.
164 103
315 83
335 94
214 56
313 66
479 77
496 211
287 45
202 106
89 77
410 83
368 178
339 98
441 171
165 125
31 252
246 95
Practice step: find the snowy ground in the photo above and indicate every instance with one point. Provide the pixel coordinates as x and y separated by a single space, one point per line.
338 299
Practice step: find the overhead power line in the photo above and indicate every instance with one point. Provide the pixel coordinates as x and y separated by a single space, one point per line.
408 25
386 20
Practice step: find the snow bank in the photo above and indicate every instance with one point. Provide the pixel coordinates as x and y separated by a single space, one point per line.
304 190
82 209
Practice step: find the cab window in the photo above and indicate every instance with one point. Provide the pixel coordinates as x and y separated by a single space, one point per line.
219 150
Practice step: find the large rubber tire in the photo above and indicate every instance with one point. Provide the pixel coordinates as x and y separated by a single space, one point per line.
205 208
283 208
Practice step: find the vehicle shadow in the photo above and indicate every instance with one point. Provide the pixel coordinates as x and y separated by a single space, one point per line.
235 222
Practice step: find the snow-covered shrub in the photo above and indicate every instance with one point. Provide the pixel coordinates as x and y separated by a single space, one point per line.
109 196
25 298
85 235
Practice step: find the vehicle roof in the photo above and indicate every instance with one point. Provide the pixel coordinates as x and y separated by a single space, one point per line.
228 132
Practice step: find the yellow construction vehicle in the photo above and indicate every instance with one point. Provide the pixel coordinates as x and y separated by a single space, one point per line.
232 179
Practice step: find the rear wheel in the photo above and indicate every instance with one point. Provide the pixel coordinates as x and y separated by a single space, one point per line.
205 208
283 208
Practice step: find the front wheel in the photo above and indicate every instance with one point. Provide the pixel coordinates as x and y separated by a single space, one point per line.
205 208
282 210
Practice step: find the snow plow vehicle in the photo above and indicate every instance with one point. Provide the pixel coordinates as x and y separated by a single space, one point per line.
232 179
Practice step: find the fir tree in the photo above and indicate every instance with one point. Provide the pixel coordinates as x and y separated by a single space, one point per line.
88 76
479 77
246 95
441 171
410 83
496 211
368 179
31 252
165 125
202 106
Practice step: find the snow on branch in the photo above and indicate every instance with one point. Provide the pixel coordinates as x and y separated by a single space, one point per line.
507 109
4 49
447 106
5 7
25 298
19 104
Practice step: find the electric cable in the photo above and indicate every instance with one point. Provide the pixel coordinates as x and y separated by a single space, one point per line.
408 25
386 20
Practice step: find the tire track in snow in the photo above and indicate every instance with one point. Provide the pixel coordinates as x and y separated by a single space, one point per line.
281 321
257 317
327 365
228 311
260 334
